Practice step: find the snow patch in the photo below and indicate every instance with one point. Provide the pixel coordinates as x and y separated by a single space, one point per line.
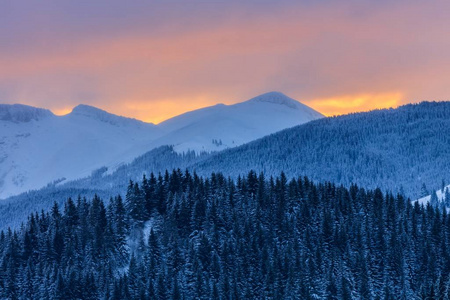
439 193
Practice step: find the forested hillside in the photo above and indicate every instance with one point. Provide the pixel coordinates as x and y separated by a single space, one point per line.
181 236
394 149
15 210
398 150
38 147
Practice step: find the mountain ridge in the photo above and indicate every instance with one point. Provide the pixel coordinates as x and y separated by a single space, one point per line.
397 150
273 97
103 115
71 146
276 98
411 140
22 113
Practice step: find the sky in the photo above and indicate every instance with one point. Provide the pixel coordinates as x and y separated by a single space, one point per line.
152 60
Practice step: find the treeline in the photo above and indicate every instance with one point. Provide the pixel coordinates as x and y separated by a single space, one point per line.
396 149
180 236
16 209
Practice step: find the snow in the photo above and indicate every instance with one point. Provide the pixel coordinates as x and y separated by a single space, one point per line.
38 148
440 195
148 226
22 113
72 146
236 124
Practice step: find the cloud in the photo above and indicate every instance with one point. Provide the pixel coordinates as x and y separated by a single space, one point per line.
153 60
351 103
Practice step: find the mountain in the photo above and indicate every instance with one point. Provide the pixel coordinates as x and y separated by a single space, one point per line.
395 149
225 126
39 148
19 113
398 150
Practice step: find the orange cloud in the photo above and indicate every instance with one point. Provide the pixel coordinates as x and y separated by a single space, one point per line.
342 57
241 38
355 103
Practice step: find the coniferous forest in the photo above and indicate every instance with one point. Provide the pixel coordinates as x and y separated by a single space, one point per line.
180 236
399 150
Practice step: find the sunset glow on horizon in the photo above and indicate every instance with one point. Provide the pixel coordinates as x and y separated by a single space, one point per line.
356 103
153 60
159 111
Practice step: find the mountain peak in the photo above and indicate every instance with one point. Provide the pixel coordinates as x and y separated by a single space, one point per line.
20 113
276 98
102 115
87 110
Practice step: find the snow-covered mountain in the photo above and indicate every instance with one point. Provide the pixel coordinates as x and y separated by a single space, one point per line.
38 147
224 126
394 149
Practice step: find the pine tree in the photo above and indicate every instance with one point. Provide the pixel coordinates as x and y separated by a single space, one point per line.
424 191
434 201
135 203
250 238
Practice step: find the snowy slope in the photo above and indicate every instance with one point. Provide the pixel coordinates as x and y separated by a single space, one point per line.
233 125
37 147
439 193
38 150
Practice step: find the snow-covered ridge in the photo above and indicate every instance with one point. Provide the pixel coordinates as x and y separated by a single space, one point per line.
101 115
22 113
38 147
221 126
278 98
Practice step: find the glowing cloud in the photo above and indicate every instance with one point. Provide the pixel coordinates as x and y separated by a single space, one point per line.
356 103
152 60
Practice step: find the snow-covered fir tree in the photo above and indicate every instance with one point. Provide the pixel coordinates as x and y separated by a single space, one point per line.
256 237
